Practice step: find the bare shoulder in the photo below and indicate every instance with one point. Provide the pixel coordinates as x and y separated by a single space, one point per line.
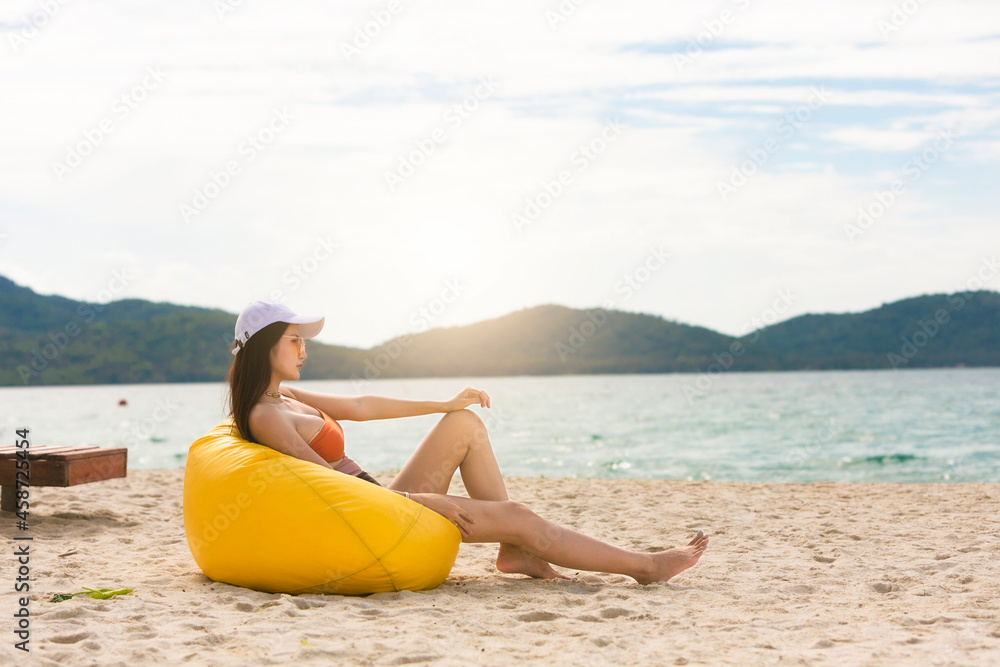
274 426
269 423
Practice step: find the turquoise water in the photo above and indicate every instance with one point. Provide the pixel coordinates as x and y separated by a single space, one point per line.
866 426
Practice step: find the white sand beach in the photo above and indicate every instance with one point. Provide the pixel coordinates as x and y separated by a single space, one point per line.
813 574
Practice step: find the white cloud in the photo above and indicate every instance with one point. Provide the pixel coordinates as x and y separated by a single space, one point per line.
325 175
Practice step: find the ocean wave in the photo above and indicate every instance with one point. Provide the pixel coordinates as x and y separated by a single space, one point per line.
881 460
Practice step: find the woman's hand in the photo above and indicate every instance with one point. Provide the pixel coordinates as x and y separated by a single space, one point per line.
439 503
467 398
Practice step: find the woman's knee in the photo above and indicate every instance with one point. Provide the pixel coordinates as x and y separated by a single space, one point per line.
471 431
509 511
519 513
529 529
533 532
465 417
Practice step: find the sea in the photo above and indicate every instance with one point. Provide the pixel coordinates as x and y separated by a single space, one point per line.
938 425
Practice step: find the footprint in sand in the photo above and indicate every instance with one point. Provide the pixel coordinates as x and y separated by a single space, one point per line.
304 604
886 587
70 612
801 589
536 616
411 659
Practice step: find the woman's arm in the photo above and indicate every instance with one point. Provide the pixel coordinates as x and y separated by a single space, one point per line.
366 408
382 407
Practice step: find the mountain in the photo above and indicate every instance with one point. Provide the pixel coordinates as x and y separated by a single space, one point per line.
920 332
48 340
548 340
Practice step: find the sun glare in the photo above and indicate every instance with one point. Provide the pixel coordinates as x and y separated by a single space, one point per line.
427 255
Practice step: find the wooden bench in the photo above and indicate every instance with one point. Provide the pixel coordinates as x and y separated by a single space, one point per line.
58 466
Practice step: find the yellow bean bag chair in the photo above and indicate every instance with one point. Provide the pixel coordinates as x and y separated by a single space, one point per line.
260 519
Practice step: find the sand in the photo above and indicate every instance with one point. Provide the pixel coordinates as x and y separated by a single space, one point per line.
812 574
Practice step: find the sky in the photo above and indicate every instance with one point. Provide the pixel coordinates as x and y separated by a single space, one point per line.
397 166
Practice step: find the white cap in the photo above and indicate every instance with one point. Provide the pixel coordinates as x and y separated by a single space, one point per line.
259 314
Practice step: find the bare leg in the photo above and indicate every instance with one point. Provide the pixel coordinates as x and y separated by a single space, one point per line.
460 440
513 523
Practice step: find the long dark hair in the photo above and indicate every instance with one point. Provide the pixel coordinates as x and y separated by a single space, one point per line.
250 374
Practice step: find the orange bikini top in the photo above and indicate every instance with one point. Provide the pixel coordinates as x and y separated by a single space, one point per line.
329 442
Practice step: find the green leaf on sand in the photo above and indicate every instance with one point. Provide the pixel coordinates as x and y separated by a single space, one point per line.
99 594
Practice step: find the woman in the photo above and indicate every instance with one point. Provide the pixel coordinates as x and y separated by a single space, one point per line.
270 348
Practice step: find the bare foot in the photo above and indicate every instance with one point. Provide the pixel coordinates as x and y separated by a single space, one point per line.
512 559
671 562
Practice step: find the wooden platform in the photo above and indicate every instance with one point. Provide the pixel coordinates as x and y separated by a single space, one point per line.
59 466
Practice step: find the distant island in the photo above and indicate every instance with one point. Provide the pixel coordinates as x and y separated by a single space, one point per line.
51 340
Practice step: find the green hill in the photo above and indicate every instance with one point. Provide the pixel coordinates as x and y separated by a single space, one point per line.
547 340
48 340
921 332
